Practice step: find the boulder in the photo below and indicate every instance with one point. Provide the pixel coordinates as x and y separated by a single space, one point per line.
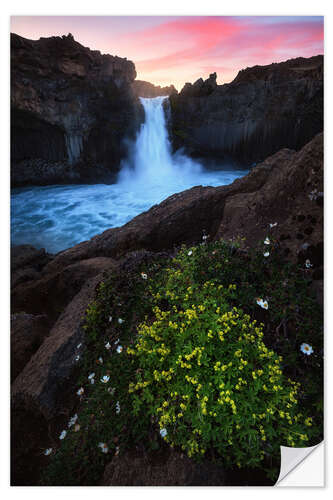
27 334
37 386
52 291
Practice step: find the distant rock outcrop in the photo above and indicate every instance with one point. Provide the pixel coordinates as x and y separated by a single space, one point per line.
147 89
71 108
264 109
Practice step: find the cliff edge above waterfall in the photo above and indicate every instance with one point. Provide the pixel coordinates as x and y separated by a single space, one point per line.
147 89
264 109
71 109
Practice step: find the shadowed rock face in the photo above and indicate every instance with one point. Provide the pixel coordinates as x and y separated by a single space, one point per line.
263 110
72 108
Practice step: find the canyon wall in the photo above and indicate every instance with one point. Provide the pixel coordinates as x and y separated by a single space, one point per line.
262 110
72 110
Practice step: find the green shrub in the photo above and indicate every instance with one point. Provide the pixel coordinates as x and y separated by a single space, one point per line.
222 378
210 381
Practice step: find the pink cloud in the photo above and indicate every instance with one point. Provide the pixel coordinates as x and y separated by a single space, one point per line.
203 35
176 50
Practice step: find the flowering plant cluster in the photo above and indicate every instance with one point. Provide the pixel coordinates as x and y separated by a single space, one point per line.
216 352
209 381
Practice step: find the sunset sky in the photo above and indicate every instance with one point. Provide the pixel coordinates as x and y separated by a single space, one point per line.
182 49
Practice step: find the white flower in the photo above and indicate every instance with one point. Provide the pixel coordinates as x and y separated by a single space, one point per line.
80 391
190 252
105 379
92 375
73 420
108 346
110 319
205 236
77 358
163 432
117 407
266 254
78 346
63 435
308 264
267 241
117 451
262 303
92 381
48 451
144 276
100 360
306 349
272 225
119 349
120 321
103 447
116 342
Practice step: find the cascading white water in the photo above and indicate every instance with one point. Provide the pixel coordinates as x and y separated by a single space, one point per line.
57 217
151 162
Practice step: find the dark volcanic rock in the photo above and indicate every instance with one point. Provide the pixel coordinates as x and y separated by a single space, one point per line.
45 391
52 291
147 89
37 387
26 263
72 108
169 469
263 110
27 334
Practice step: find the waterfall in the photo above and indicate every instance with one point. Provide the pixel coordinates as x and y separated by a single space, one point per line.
58 217
151 161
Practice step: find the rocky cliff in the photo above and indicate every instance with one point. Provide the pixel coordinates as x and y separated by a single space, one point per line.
264 109
71 109
147 89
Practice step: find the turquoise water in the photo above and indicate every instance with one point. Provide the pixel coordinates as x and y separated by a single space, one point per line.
58 217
